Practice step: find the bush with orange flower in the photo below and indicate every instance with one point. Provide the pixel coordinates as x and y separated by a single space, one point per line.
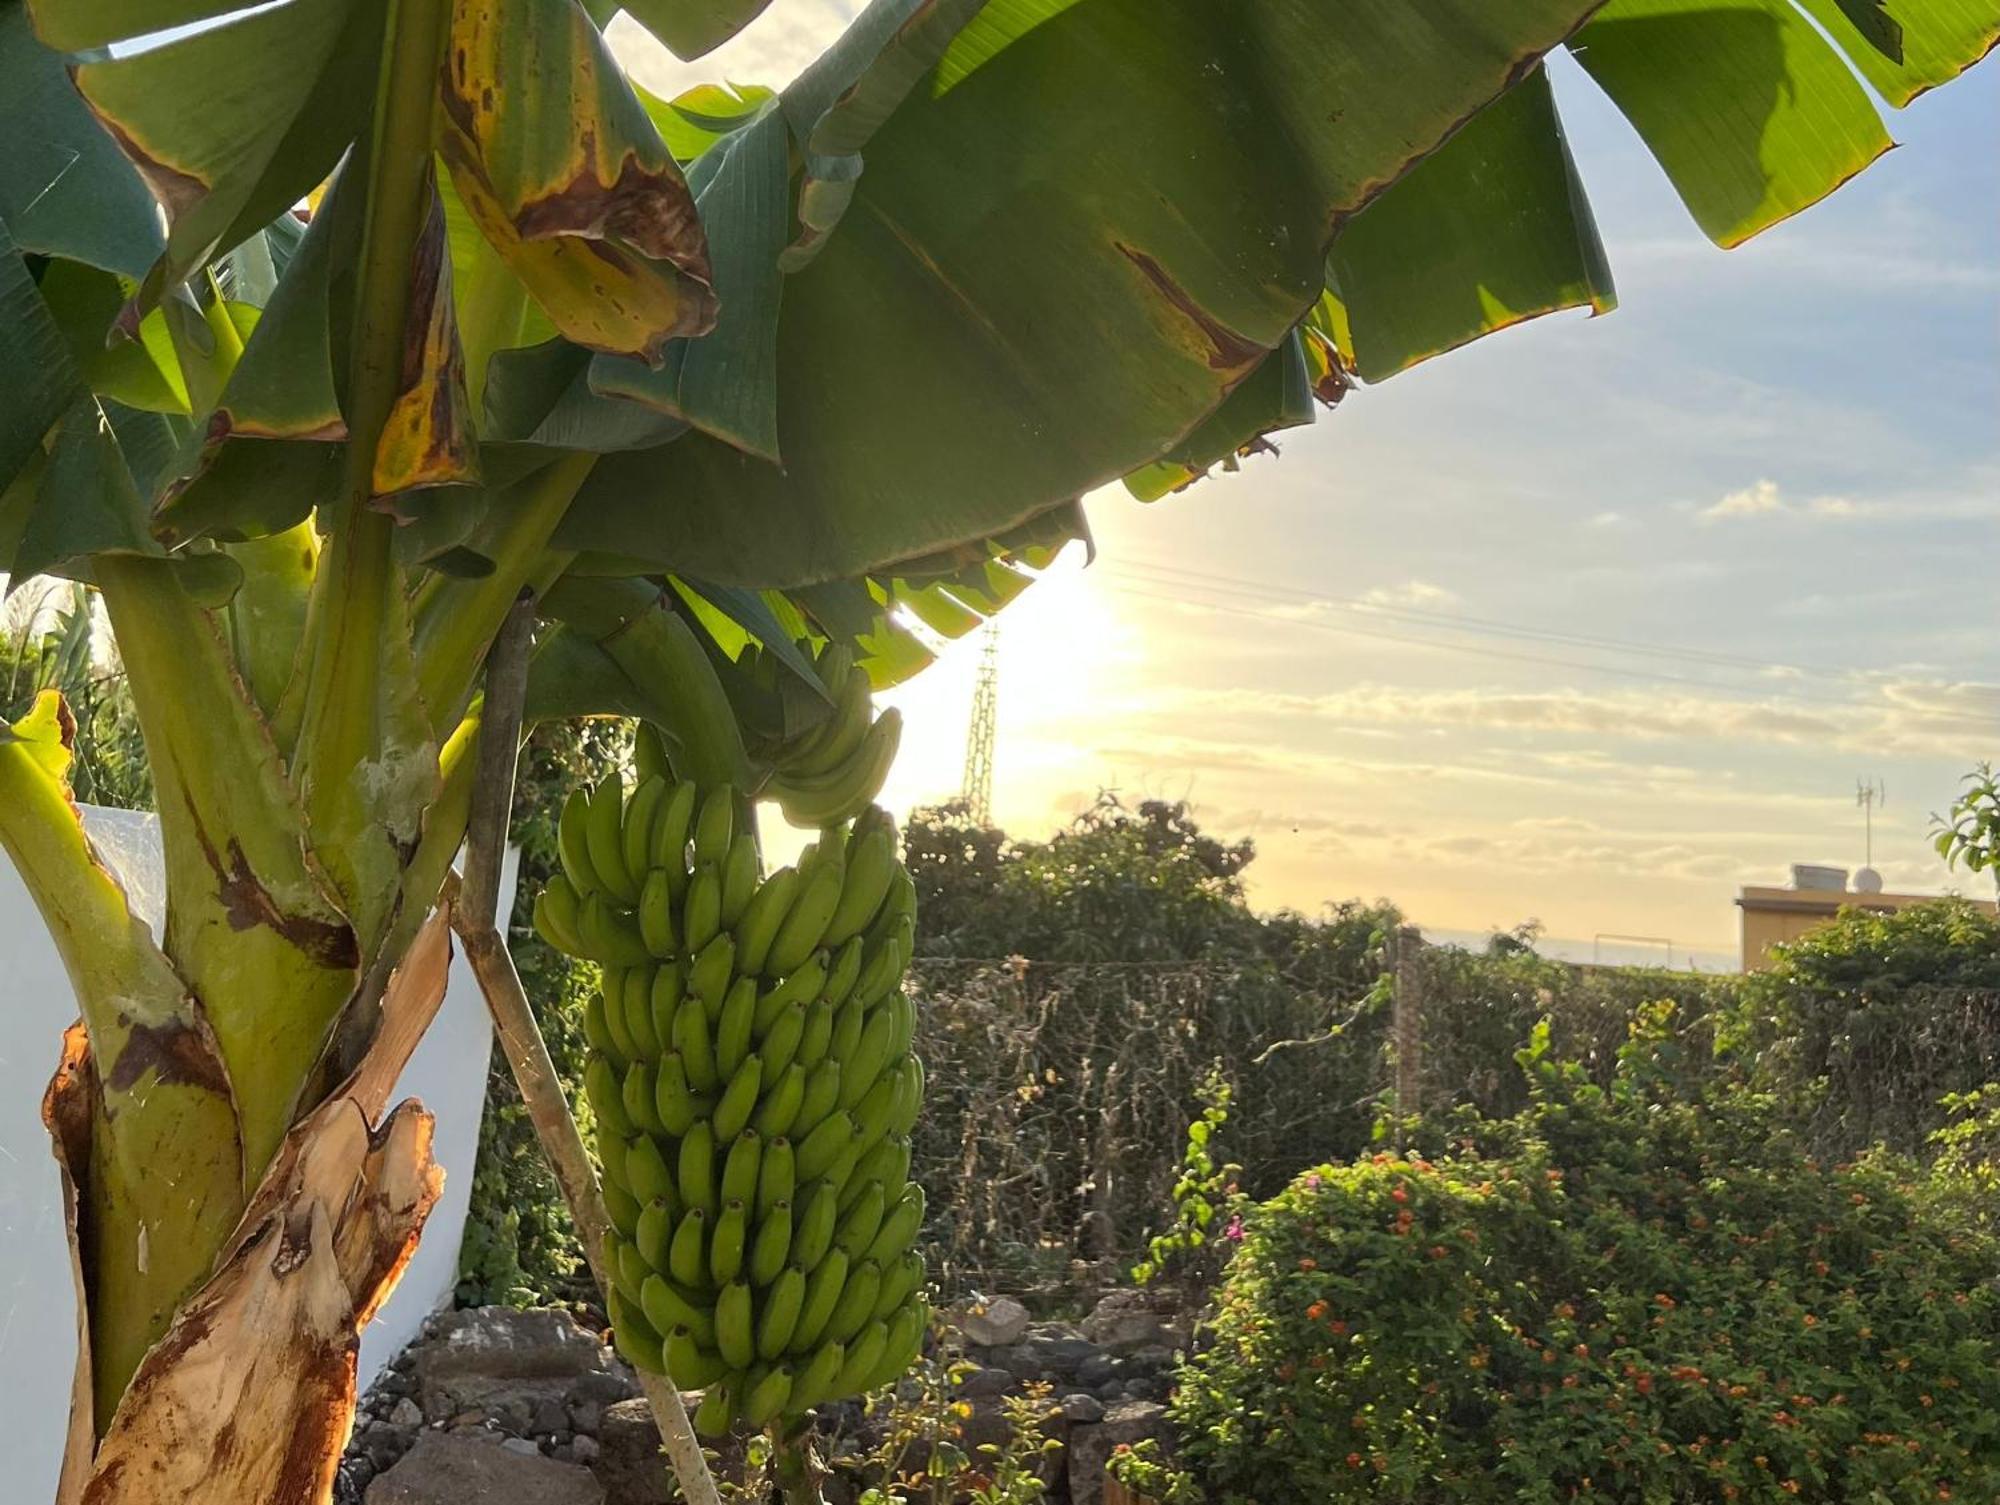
1636 1295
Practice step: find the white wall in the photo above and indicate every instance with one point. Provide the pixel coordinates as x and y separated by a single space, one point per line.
37 1345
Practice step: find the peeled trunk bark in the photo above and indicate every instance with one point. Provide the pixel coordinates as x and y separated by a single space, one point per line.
249 1396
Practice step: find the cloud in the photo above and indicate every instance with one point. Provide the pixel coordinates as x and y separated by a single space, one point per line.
1764 499
1421 594
1608 520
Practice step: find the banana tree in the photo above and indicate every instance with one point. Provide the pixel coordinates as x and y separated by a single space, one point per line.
331 329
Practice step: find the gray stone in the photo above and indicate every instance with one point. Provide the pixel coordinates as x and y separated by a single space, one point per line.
997 1323
506 1361
406 1414
589 1394
1128 1320
1098 1369
986 1382
1149 1361
1082 1409
629 1463
523 1446
1058 1358
453 1470
1090 1447
583 1449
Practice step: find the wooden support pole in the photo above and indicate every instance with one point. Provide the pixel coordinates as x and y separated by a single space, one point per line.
514 1021
1408 1024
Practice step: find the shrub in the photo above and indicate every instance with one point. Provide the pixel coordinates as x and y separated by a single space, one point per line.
1646 1294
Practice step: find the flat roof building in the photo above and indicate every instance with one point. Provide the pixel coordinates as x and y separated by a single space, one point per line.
1817 894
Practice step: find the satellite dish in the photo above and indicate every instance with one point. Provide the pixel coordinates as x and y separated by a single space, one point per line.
1868 881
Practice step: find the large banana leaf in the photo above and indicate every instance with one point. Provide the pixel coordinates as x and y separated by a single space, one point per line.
977 261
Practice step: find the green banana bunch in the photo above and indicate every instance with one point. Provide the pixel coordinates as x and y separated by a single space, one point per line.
752 1084
832 772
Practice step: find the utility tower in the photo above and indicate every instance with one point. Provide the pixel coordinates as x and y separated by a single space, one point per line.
977 790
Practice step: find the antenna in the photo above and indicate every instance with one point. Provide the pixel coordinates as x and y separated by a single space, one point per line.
1868 793
977 789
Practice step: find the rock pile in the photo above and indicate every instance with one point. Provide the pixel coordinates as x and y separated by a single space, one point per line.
529 1408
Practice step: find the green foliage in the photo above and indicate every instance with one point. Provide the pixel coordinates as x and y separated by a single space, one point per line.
1195 1247
1643 1294
1866 1023
1970 831
520 1248
110 767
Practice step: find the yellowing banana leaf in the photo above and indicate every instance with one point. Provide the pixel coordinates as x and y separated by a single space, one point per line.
561 168
428 439
233 125
1913 47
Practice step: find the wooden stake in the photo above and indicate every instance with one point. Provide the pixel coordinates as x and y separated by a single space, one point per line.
514 1021
1409 1025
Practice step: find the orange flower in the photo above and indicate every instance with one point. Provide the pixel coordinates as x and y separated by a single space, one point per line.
1316 1311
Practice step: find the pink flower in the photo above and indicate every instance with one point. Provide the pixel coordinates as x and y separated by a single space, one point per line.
1312 1183
1234 1232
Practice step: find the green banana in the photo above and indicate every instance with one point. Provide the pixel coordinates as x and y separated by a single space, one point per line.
717 1412
611 988
813 1234
858 1226
848 1022
773 1243
738 1100
556 909
881 971
842 1170
670 834
696 1168
709 973
817 1035
573 845
645 1172
912 1079
905 1341
619 1257
801 986
638 1094
823 1288
835 739
824 1145
714 825
905 1012
823 799
822 1095
602 835
887 1161
664 1000
612 1154
779 1108
844 972
701 909
597 1030
725 1246
688 1364
677 1106
762 916
636 1342
635 835
780 1316
871 869
766 1398
649 753
799 936
656 914
732 1029
869 1057
739 878
635 992
814 1381
864 1355
607 1096
653 1234
610 935
781 1044
777 1175
857 1300
687 1254
622 1208
899 1282
735 1338
669 1307
875 1111
899 1229
739 1169
697 1052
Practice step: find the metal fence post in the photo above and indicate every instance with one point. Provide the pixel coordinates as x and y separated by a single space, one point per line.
1408 1024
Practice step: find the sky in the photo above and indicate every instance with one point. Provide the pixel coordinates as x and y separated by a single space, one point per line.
1590 623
